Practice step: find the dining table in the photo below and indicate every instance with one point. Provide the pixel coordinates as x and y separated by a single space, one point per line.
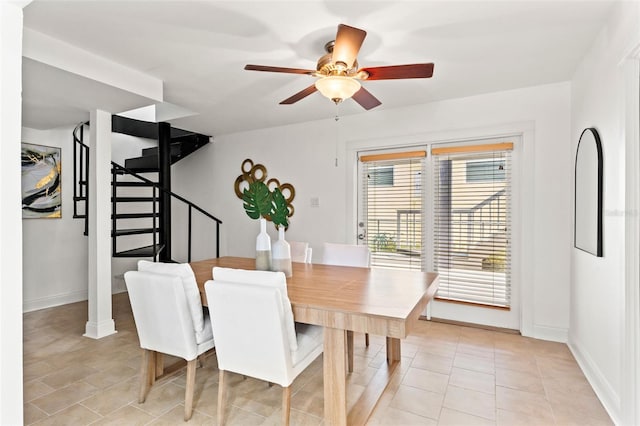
378 301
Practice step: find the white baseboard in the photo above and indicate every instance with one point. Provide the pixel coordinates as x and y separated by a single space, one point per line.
64 299
604 391
56 300
554 334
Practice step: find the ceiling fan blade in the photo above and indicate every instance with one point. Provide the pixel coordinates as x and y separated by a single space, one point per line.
399 71
300 95
366 99
347 46
278 69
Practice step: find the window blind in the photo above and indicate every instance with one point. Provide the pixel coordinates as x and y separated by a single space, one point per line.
391 187
472 223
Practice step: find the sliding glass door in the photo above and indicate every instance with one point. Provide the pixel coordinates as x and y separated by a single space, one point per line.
446 208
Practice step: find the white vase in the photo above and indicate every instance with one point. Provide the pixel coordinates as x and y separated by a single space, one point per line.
281 254
263 248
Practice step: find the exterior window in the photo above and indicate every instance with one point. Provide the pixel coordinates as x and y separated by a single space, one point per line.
485 170
381 176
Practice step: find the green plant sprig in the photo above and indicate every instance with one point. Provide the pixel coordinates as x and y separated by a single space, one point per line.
280 213
259 202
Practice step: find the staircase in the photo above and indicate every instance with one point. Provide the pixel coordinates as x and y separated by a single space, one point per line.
141 190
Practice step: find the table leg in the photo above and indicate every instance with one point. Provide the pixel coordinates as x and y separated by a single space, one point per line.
369 398
335 386
393 350
349 351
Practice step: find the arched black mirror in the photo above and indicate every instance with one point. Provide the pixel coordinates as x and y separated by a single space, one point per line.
588 193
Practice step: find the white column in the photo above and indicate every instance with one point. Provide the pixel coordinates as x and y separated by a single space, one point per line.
11 409
100 323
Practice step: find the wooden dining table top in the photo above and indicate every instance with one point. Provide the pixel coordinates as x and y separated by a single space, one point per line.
374 300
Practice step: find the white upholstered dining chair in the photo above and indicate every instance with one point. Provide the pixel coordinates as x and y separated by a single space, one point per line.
191 290
163 311
347 255
300 251
255 333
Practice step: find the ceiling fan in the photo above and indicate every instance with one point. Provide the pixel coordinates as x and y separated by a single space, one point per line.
338 74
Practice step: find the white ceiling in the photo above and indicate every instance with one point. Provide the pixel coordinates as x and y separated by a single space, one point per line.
199 48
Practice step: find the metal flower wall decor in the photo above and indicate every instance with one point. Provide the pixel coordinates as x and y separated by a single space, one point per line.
264 198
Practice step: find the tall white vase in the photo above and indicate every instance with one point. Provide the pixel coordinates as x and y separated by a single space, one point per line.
281 254
263 248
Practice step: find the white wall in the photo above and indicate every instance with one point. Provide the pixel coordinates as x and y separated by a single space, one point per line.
597 284
304 155
55 250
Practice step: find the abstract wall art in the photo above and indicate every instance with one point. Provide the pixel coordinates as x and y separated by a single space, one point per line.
41 181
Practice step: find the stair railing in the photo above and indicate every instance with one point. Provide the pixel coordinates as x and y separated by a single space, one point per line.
118 169
191 206
80 176
81 193
465 219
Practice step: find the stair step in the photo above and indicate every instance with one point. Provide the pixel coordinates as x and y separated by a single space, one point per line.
135 215
133 183
189 143
148 251
142 129
141 170
134 231
134 199
134 170
80 216
133 127
181 146
175 150
148 162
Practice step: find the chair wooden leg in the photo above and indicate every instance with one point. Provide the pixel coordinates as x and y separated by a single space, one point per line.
159 365
221 397
146 374
366 339
286 405
188 393
200 360
350 351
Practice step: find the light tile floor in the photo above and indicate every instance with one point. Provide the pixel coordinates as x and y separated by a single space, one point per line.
449 375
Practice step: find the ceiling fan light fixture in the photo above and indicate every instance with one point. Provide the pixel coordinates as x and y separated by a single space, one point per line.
337 87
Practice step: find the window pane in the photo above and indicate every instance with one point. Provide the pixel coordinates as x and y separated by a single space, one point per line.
485 170
392 212
381 176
